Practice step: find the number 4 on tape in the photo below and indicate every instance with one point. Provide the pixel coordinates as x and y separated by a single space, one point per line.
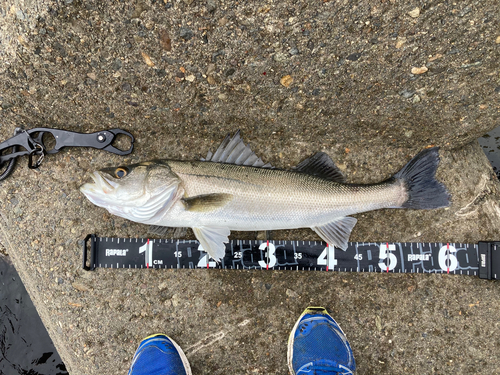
327 258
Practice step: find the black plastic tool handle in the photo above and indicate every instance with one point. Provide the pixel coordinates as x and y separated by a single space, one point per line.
101 140
30 142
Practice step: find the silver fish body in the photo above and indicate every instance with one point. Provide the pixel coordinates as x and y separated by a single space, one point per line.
234 190
267 199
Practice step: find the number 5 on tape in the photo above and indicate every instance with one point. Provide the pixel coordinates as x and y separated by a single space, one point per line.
385 253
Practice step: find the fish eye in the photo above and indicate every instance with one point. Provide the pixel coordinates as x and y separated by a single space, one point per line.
121 172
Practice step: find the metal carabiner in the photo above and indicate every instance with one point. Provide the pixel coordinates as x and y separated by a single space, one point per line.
40 151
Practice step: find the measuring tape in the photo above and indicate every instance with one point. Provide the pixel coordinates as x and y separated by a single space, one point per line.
482 259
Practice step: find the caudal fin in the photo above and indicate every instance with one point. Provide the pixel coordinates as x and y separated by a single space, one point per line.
424 191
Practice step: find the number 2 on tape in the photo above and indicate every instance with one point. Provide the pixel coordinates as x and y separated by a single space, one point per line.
204 259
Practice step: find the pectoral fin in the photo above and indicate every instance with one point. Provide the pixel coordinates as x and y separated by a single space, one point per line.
212 240
337 232
207 202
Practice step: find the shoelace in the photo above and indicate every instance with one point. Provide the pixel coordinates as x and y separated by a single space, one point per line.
339 370
326 370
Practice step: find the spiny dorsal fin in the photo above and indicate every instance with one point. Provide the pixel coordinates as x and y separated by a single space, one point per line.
233 151
206 202
321 165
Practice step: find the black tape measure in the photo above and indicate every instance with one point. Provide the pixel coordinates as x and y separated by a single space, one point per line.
482 259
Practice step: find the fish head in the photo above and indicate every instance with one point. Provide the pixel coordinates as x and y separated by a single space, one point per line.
136 192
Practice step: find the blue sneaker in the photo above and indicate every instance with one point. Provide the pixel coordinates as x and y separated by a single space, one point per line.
317 345
159 355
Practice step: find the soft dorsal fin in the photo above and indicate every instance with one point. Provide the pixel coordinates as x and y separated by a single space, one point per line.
233 151
321 165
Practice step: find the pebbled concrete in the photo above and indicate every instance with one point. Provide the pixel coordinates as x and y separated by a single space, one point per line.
179 76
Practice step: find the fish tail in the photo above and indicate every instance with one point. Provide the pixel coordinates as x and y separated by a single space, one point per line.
419 175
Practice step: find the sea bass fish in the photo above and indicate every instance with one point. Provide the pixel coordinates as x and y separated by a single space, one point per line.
233 189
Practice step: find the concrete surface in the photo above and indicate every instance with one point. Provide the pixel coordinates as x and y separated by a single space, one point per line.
179 76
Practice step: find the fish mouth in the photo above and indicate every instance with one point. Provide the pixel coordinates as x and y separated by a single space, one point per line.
101 185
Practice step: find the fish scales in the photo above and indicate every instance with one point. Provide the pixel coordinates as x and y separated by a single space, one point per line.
274 199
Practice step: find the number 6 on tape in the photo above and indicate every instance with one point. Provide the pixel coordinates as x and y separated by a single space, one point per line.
447 261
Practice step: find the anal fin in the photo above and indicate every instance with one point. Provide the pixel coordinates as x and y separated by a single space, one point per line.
337 232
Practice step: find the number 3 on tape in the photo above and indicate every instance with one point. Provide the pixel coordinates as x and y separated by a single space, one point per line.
271 255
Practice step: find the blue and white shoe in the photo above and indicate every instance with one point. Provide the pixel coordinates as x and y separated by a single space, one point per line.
159 355
317 345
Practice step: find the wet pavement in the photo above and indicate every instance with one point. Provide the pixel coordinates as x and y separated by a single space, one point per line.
490 143
25 346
